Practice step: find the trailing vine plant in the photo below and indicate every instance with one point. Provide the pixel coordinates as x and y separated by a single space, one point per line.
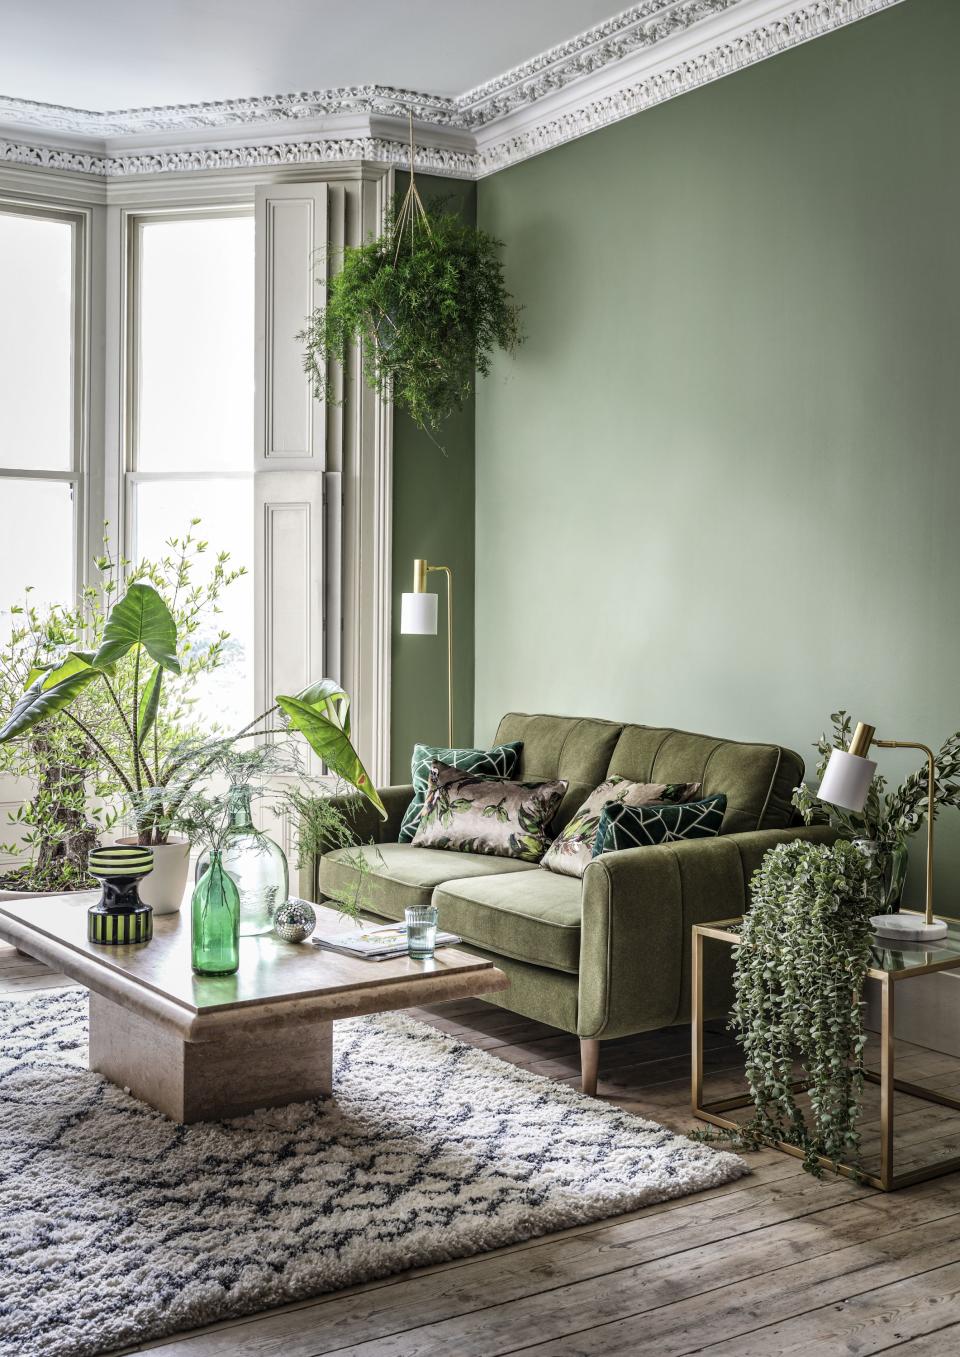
798 987
426 304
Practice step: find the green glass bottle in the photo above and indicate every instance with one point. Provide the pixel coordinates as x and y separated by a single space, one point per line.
215 913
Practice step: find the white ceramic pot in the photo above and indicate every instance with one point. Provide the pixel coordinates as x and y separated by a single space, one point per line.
163 888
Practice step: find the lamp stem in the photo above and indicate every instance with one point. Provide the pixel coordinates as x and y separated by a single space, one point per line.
449 574
931 805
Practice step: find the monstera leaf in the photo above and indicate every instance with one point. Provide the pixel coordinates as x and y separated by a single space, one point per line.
45 696
140 618
321 714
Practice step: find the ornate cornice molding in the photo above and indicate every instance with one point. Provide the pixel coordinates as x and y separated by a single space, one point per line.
649 53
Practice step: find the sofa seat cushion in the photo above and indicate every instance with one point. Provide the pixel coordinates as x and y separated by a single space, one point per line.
534 917
400 874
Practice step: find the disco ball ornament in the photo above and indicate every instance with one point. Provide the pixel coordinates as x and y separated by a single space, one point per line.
294 921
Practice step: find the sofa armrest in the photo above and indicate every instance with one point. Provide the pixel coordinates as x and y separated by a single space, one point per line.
638 907
367 826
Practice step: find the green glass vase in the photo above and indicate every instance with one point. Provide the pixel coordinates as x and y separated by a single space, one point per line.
215 911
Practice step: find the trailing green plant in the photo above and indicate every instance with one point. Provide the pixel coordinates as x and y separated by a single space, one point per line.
798 986
889 817
74 760
427 305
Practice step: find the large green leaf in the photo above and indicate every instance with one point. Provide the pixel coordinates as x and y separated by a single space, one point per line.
328 739
327 695
140 618
39 701
149 705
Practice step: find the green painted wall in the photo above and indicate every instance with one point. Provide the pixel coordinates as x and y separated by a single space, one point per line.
433 516
719 485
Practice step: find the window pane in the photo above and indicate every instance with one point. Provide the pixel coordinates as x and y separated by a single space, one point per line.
36 343
37 549
225 508
195 409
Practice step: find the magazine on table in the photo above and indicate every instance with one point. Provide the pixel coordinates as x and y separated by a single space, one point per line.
376 942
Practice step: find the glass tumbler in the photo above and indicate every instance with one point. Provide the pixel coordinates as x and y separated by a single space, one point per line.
421 921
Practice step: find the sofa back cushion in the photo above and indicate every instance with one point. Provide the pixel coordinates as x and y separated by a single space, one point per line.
575 748
756 778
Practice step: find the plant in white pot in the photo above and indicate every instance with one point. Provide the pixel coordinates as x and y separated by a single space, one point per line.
138 658
76 764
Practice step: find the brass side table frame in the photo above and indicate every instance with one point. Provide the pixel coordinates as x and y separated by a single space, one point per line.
925 960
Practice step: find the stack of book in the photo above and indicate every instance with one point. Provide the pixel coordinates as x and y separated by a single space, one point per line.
376 942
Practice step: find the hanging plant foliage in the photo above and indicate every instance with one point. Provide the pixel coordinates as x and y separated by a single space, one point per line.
427 306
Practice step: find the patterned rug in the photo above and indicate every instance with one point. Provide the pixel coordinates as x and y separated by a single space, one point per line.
117 1225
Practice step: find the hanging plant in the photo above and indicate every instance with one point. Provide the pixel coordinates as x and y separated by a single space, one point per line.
798 985
427 306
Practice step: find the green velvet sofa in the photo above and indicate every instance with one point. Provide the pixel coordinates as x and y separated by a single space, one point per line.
609 955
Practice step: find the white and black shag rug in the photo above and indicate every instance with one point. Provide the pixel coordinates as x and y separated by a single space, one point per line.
117 1225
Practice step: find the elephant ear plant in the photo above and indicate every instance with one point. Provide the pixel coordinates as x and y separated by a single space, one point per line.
139 656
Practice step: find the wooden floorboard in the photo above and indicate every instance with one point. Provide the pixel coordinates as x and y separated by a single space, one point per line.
777 1262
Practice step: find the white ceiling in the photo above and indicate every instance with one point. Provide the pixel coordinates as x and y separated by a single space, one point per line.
117 54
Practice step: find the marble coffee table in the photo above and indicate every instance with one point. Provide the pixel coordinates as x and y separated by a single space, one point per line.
200 1048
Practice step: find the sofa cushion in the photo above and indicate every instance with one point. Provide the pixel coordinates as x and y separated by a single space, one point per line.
534 917
572 850
400 874
577 749
470 813
623 826
758 779
498 762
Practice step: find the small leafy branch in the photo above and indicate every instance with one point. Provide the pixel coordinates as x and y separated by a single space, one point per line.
426 303
798 985
888 817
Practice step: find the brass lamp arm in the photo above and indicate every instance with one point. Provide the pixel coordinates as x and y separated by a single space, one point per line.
931 805
421 569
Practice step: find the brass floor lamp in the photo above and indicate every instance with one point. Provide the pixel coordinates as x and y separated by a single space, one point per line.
418 617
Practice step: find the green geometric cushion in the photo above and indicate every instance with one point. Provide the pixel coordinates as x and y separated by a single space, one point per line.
501 761
623 826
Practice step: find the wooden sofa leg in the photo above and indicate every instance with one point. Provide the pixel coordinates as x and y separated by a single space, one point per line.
589 1065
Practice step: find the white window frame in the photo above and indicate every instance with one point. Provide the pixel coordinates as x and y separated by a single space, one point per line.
76 475
130 376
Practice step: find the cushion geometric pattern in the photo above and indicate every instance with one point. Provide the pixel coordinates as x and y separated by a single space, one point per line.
501 761
640 826
572 849
471 813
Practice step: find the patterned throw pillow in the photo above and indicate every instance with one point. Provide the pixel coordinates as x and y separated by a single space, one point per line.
572 849
639 826
501 761
471 813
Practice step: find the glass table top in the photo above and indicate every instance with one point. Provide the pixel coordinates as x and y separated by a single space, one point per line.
888 956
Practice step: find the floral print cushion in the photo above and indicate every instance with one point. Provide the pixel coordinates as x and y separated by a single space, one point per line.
500 761
572 850
470 813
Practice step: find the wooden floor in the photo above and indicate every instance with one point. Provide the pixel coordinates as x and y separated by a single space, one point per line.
774 1263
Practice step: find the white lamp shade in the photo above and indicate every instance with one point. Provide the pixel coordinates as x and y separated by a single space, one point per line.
847 780
418 614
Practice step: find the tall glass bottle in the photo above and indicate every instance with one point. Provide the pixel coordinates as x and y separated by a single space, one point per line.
256 863
215 921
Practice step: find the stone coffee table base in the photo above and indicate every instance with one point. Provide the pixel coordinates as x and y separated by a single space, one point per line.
202 1048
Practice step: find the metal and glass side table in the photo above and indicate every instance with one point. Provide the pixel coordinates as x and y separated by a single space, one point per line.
891 967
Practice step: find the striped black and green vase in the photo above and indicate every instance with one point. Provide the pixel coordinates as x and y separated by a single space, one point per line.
119 916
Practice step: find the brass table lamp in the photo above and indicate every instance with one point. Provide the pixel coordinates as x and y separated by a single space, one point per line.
846 782
418 617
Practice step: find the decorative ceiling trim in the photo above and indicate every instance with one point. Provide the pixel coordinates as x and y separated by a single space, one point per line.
652 52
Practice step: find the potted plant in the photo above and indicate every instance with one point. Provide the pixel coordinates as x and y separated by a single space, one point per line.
427 305
889 817
140 640
799 973
70 760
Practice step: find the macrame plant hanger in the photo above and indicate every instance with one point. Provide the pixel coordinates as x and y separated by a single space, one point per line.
412 211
